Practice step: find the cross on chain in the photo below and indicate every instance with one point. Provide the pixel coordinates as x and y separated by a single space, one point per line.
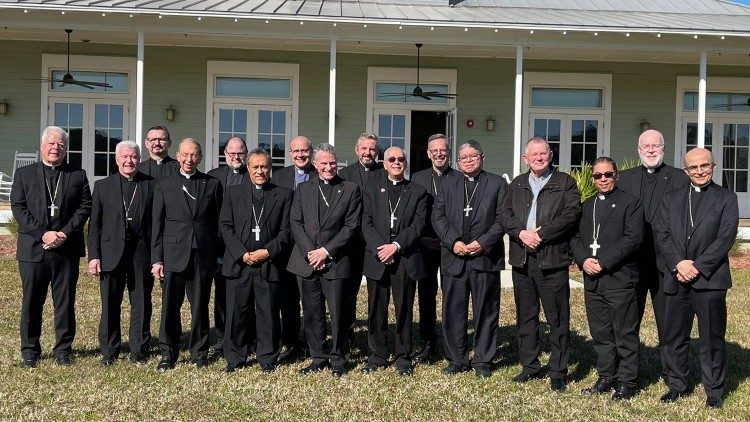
467 210
256 230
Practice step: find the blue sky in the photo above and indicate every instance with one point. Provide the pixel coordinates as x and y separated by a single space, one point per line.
742 1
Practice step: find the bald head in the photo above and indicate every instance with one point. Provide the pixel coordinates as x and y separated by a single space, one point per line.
234 152
699 166
698 154
300 150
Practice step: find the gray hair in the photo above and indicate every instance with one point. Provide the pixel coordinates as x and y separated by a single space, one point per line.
387 152
127 144
54 129
237 139
194 142
259 151
471 144
536 140
651 132
324 147
368 135
437 136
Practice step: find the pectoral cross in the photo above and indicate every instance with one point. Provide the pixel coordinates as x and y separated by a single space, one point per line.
52 209
467 209
256 230
594 246
393 220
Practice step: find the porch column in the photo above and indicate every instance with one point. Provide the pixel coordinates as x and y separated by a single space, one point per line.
139 94
332 95
702 102
518 111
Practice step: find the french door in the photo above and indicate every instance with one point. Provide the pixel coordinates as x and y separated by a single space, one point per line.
95 127
575 140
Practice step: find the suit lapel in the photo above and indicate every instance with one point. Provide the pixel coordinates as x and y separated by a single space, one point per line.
661 184
481 186
607 212
117 190
337 193
707 202
201 191
269 202
43 193
405 195
143 195
64 180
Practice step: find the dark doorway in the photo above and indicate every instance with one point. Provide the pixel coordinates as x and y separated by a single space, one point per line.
423 124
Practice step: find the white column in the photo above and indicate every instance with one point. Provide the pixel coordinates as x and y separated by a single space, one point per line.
702 102
518 111
332 95
139 94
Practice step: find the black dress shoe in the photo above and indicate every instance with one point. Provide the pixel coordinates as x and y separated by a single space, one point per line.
29 362
64 360
267 368
670 396
231 367
602 386
107 361
371 367
482 372
313 368
217 349
291 354
557 384
454 368
201 363
425 357
623 392
165 364
714 402
524 377
338 371
404 370
138 359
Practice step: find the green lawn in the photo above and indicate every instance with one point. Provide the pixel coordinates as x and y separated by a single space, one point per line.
129 392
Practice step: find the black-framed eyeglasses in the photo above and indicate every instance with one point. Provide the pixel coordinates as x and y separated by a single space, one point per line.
699 168
606 174
394 159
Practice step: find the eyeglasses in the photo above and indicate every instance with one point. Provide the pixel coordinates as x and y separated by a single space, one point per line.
157 139
606 174
699 168
394 159
234 154
467 158
658 147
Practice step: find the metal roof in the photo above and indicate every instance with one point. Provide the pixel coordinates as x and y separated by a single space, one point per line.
706 16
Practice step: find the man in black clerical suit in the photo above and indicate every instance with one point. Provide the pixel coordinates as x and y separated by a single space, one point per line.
610 230
541 215
651 181
183 252
301 169
360 173
51 202
254 223
233 173
695 230
466 218
438 152
324 219
120 253
393 217
159 164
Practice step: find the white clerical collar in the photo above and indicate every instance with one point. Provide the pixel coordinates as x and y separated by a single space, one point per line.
187 176
325 182
395 182
471 179
299 170
235 171
128 178
699 188
52 166
258 186
601 196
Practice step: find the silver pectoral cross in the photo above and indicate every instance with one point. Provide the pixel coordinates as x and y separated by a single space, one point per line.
256 230
393 220
52 209
467 209
594 247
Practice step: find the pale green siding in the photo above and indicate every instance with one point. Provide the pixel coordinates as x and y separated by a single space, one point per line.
177 76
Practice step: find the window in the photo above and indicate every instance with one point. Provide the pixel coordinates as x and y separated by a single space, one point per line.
253 88
119 81
718 102
566 97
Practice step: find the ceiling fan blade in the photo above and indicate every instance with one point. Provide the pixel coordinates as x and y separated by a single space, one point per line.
439 95
394 94
83 84
99 84
424 96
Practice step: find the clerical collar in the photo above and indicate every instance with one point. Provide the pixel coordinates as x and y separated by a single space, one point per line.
50 166
303 170
258 187
440 173
474 178
544 175
328 182
187 176
652 169
159 161
235 171
364 167
127 178
395 182
700 188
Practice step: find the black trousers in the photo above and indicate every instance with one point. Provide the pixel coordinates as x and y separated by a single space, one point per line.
195 280
484 288
220 304
650 283
710 306
396 280
316 292
291 320
134 273
531 285
427 296
356 264
252 302
61 272
613 323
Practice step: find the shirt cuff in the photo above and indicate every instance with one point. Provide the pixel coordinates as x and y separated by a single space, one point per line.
398 246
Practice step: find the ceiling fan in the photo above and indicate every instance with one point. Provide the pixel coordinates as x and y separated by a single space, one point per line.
68 78
418 92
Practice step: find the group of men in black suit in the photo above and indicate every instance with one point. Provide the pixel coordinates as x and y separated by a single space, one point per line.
311 232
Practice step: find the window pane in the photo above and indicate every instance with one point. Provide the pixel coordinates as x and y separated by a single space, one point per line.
75 159
540 128
264 121
76 140
566 97
742 158
742 181
727 179
115 116
76 115
100 140
728 160
119 81
576 154
101 115
240 121
115 136
399 125
553 130
264 142
279 122
100 164
743 133
61 114
384 125
718 102
576 130
225 120
254 87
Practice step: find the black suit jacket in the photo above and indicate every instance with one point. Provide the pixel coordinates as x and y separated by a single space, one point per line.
620 234
354 173
410 218
707 243
339 227
107 228
171 166
236 223
28 197
285 177
222 173
669 179
174 226
424 179
448 215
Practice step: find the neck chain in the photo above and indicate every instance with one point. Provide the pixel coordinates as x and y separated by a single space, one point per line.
130 204
597 228
690 205
473 191
52 197
393 209
258 216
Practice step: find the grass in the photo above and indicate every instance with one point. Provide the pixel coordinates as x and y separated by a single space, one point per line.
129 392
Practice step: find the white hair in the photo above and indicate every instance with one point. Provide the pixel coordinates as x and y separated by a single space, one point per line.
127 144
54 129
